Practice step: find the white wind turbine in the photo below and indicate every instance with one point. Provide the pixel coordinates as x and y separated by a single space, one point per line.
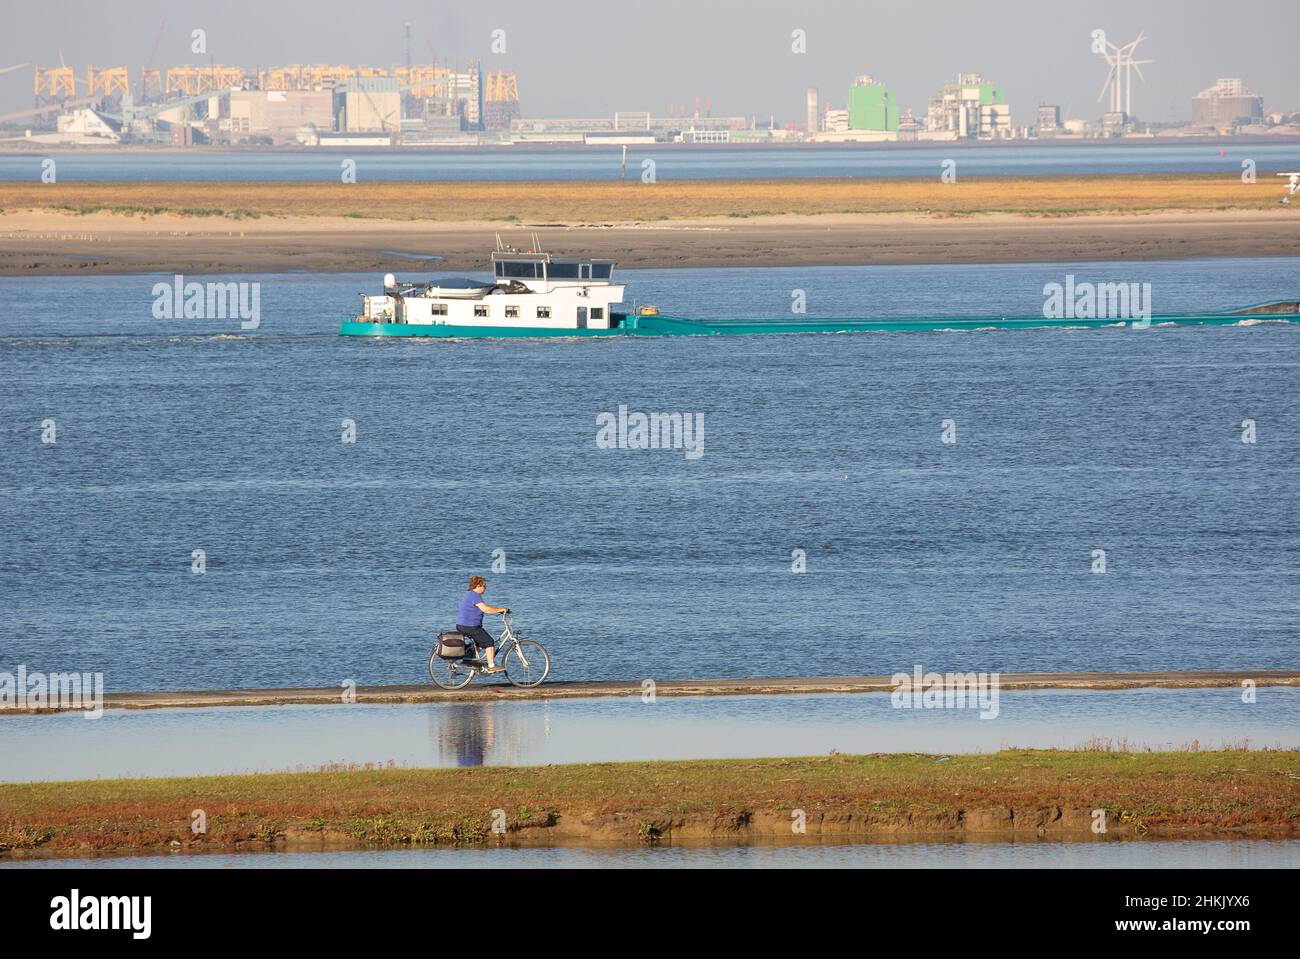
1131 65
1111 85
1119 78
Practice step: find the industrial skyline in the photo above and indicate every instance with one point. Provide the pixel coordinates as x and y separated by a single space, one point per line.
741 59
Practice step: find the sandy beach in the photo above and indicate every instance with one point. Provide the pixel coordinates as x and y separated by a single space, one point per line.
215 228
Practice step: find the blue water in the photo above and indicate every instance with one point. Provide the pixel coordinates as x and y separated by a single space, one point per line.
671 162
328 561
196 741
802 854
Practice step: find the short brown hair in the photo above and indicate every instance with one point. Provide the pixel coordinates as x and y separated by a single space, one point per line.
476 581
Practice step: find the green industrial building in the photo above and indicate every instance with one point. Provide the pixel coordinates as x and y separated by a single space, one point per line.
872 106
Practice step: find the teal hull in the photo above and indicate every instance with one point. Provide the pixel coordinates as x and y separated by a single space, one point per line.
681 326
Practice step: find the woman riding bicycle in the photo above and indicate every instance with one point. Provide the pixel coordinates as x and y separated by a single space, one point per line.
469 620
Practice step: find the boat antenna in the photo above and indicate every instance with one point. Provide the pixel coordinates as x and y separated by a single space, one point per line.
537 244
500 248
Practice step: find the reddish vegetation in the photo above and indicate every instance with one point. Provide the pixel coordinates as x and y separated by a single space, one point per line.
1025 792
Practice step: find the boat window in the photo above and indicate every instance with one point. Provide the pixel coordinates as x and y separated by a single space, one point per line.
438 309
512 312
501 269
597 312
584 271
480 309
563 271
600 271
526 270
543 312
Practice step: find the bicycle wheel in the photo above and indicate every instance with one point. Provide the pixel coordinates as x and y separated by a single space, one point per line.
527 664
449 673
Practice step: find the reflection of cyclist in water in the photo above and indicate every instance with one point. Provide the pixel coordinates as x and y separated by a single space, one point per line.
469 621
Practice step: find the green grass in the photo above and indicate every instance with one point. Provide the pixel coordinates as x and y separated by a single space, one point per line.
1231 792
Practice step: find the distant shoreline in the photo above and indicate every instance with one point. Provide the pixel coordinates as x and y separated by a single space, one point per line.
18 145
214 228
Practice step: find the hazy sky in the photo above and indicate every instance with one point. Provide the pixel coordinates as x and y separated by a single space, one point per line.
585 58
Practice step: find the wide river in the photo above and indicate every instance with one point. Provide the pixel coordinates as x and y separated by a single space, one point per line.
327 561
676 162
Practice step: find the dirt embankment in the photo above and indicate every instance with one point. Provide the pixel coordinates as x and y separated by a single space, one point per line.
1013 794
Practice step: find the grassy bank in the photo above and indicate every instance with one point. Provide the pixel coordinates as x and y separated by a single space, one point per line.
624 201
1025 793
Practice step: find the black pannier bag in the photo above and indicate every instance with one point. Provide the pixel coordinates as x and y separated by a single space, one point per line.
451 645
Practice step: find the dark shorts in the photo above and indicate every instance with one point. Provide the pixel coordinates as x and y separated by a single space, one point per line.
481 637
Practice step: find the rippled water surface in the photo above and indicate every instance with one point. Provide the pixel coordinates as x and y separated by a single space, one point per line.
328 561
691 162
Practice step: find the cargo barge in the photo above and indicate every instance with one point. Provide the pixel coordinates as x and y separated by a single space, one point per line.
533 294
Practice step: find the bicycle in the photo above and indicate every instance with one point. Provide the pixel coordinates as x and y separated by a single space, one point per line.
526 662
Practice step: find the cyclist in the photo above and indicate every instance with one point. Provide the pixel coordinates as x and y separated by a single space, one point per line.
469 621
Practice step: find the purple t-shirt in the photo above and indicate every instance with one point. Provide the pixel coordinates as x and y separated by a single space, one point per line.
470 614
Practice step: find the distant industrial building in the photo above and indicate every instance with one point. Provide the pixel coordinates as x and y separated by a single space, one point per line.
635 124
870 115
465 92
87 124
368 105
706 136
970 107
421 102
1049 120
500 99
835 121
277 114
909 128
871 106
1226 104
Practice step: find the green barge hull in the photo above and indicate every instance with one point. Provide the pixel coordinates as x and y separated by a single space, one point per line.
661 325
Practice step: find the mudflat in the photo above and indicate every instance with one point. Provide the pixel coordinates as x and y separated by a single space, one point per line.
581 689
217 228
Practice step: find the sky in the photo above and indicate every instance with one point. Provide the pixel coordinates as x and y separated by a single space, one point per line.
587 58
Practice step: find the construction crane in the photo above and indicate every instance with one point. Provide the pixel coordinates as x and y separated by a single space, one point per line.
148 69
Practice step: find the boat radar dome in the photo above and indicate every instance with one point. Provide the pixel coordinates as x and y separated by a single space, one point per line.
390 281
